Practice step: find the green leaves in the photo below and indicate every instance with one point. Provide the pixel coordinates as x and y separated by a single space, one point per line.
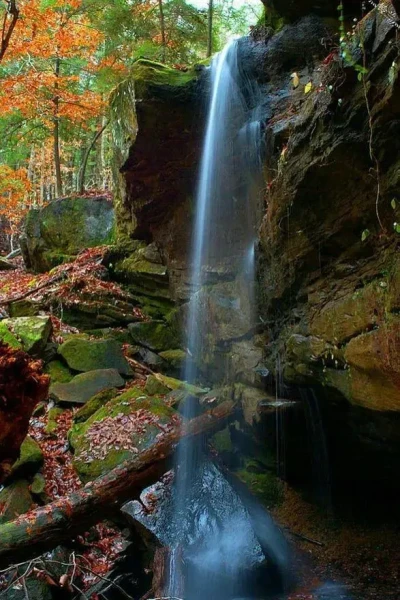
365 235
393 203
396 227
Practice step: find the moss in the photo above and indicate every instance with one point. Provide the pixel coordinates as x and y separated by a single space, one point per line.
52 418
30 460
94 404
146 73
90 355
170 383
9 338
15 500
38 484
266 486
59 373
155 335
33 332
176 358
128 403
24 308
222 441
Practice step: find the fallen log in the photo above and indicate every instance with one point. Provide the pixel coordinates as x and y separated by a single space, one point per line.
22 387
45 528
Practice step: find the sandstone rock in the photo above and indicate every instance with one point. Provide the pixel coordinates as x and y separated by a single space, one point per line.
86 385
154 335
117 431
29 333
30 460
57 232
88 355
15 500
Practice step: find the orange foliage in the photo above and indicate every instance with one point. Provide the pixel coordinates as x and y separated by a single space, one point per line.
42 37
14 190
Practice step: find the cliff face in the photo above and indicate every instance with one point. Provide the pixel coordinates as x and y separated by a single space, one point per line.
328 277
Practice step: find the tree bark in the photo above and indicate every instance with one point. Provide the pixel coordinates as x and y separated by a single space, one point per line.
56 132
8 26
22 386
162 29
210 27
82 170
46 527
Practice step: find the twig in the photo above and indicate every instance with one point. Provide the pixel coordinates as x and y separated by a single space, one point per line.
304 537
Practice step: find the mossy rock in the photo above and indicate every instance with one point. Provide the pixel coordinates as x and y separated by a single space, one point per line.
57 232
52 417
90 355
147 75
31 333
30 459
94 404
7 337
154 335
15 500
87 462
58 372
108 333
86 385
161 384
176 358
266 486
38 485
24 308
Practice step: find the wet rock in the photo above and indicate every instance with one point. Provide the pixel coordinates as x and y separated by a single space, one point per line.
57 232
30 333
155 335
15 500
86 385
159 382
175 358
30 460
117 431
89 355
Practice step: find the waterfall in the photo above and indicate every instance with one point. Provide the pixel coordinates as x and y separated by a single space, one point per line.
223 247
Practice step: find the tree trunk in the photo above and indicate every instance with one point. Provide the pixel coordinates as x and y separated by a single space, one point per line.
8 26
22 386
162 28
82 170
210 27
56 132
46 527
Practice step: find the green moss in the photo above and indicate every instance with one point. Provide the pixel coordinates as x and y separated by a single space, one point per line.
266 486
222 441
91 355
155 335
33 332
59 373
38 484
30 460
176 358
9 338
128 403
147 73
52 418
94 404
15 500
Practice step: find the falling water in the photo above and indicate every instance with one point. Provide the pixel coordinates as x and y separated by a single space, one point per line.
223 247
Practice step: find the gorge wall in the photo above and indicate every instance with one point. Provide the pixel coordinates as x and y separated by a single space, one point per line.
328 263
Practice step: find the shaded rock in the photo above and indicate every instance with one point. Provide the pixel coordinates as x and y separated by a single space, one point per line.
155 335
33 332
374 360
15 500
57 232
94 404
89 355
8 337
58 371
30 460
5 265
117 431
38 484
52 420
150 358
175 358
86 385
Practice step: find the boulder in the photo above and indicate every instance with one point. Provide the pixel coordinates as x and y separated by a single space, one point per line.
29 333
117 431
58 372
5 265
86 385
175 358
155 335
15 500
161 384
94 404
52 420
57 232
30 459
88 355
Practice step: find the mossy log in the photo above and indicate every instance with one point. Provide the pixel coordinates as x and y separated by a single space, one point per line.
44 528
22 387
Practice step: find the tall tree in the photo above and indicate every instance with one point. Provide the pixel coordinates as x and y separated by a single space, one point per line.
10 18
162 30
